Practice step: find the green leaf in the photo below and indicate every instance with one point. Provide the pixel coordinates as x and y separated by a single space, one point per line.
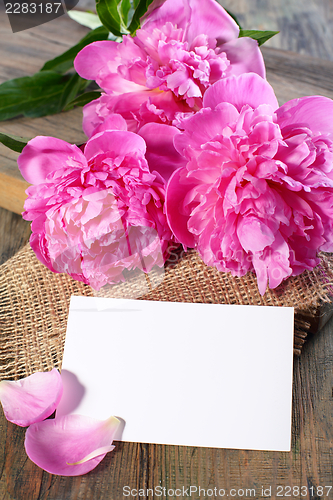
125 8
13 142
83 99
234 18
260 36
141 9
44 93
73 87
107 11
64 62
88 19
122 17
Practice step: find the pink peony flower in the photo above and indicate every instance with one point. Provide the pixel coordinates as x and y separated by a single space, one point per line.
182 48
257 190
98 212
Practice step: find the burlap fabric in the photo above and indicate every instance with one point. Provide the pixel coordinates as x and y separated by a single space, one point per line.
35 301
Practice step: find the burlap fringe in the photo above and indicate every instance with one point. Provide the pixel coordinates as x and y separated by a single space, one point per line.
35 301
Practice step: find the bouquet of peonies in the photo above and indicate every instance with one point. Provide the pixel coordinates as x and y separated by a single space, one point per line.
186 145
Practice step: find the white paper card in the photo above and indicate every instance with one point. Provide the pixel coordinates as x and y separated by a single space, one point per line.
186 374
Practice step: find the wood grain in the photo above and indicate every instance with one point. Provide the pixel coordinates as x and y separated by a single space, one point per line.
304 26
145 466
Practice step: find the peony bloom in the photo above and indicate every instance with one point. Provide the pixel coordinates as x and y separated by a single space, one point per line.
98 212
31 399
182 48
257 190
71 445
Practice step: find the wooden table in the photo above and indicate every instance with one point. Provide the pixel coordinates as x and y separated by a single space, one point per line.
142 466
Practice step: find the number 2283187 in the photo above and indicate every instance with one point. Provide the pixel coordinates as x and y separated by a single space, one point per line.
32 8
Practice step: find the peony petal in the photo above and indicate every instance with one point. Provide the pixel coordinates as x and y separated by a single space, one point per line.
31 399
91 117
244 56
94 58
111 122
273 264
137 108
100 451
99 61
154 5
314 112
161 153
43 155
174 199
118 142
254 235
209 17
260 268
71 445
200 16
116 84
176 11
240 90
205 126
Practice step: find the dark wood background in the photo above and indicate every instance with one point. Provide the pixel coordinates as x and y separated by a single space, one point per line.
305 26
306 29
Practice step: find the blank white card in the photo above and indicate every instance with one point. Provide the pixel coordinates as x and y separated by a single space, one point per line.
185 374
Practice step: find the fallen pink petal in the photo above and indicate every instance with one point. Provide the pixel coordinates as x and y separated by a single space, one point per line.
71 445
31 399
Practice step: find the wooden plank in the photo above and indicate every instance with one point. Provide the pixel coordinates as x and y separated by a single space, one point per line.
12 192
293 75
25 52
305 27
